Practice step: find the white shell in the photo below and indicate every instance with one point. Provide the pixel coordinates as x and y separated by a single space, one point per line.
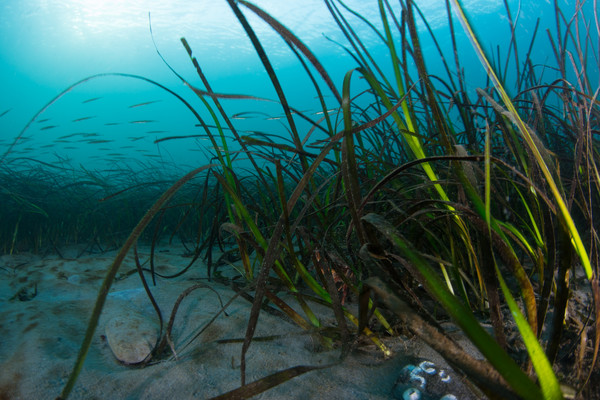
131 337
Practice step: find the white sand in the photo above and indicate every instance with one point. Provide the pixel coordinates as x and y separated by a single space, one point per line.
40 336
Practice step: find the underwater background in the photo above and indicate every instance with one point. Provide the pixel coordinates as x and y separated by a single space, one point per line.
46 46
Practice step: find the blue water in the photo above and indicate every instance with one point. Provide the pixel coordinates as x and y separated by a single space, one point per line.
46 46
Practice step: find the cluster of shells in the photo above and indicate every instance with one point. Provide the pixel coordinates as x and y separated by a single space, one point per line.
423 381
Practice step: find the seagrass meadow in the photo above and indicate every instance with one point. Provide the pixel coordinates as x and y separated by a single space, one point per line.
418 204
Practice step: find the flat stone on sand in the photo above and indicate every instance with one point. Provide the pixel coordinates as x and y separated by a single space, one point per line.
131 336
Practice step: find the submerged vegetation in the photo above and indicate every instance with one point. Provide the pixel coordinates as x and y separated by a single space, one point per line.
435 201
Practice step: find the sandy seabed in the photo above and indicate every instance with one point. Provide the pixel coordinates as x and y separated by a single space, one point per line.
45 306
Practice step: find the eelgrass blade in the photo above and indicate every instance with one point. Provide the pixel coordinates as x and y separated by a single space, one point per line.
290 37
166 339
531 143
272 75
289 311
26 205
324 270
438 117
349 168
140 272
488 179
548 381
505 365
252 389
359 56
596 295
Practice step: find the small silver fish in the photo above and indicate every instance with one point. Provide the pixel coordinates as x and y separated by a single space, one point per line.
144 104
83 118
100 141
90 100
